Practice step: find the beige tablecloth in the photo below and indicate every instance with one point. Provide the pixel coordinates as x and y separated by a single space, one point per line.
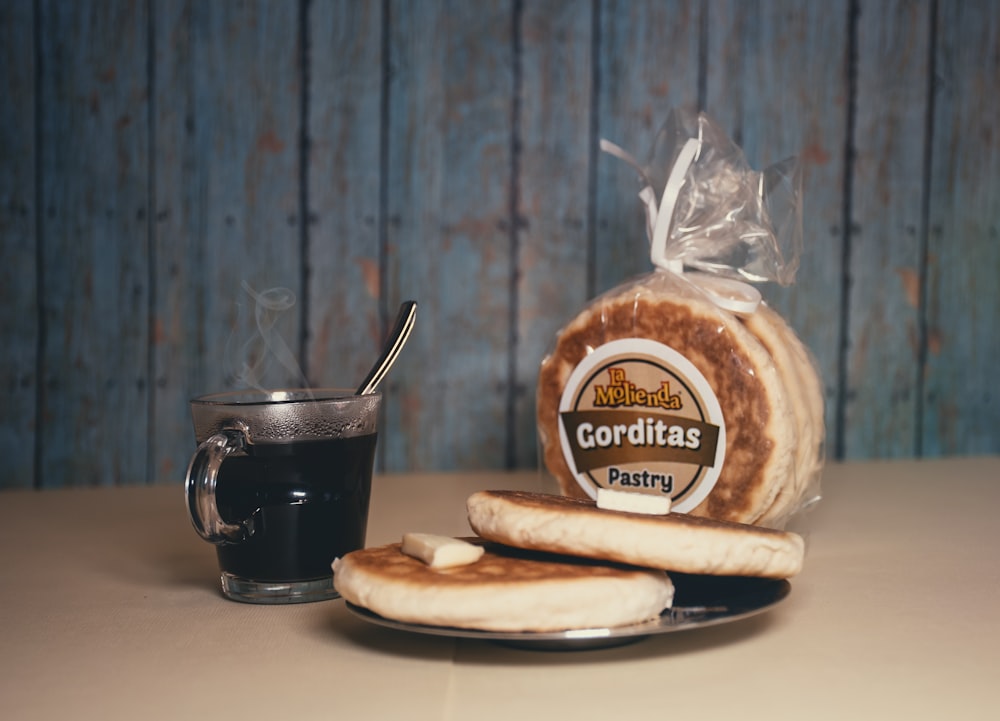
110 610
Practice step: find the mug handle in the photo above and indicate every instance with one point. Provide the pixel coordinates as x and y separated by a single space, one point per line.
202 474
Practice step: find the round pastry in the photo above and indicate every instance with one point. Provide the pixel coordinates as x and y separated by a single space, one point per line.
805 393
505 590
758 430
673 542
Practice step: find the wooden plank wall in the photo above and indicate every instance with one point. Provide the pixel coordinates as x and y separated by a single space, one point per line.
162 159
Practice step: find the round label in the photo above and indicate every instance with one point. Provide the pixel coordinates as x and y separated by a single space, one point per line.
637 416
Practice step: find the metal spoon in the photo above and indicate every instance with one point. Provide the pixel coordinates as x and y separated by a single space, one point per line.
394 343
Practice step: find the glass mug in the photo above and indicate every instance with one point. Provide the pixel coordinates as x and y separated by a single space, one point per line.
281 483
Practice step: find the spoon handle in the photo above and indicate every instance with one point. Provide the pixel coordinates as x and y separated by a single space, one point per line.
395 341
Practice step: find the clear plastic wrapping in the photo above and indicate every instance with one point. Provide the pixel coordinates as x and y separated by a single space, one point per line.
682 381
728 219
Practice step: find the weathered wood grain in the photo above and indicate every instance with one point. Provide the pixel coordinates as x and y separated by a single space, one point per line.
648 63
961 406
94 147
344 258
449 235
154 156
785 67
556 152
19 329
226 172
881 396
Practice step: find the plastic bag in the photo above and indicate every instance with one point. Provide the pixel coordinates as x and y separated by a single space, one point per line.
708 210
681 381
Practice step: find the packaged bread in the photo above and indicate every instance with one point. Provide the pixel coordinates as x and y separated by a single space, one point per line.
683 381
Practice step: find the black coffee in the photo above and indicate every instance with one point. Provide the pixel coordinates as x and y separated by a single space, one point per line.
306 502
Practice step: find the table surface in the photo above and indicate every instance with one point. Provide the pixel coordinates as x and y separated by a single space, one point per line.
110 610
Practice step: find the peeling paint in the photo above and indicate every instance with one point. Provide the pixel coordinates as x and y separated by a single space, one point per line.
815 154
370 275
911 285
934 344
269 142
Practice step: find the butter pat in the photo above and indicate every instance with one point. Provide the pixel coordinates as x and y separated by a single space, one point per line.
440 551
633 502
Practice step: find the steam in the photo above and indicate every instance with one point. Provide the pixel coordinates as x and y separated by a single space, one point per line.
253 358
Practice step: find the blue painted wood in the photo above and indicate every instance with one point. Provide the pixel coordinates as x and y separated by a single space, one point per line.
449 164
451 158
554 230
883 364
777 78
345 258
18 267
961 407
94 151
226 173
647 63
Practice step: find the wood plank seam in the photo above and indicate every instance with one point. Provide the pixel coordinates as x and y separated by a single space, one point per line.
305 215
515 223
924 231
594 151
847 232
382 225
150 229
42 336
